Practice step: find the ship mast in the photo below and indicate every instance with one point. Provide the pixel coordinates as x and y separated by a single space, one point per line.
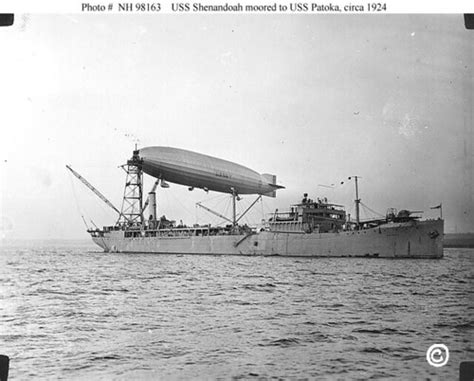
234 215
357 201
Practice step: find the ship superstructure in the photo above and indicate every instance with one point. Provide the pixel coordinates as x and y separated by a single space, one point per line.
313 228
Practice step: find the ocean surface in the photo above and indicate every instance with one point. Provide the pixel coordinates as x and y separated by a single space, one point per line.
69 311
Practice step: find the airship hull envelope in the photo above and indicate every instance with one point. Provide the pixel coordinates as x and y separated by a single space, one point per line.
202 171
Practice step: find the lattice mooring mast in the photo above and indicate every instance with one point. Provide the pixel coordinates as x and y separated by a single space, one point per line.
132 211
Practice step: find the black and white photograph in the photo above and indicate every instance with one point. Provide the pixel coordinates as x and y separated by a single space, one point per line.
193 191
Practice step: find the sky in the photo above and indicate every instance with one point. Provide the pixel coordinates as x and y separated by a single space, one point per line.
312 99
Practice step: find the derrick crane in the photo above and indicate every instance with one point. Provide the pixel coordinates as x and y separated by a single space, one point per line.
213 212
234 219
92 188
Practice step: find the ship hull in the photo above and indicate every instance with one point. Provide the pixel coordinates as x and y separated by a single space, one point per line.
413 239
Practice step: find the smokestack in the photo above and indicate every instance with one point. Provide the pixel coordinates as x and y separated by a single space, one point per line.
152 205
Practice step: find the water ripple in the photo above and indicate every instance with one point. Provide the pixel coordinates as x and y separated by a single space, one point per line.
68 311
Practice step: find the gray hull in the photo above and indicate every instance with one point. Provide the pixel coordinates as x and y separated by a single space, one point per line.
414 239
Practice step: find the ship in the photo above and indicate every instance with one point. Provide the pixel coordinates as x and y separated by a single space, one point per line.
309 228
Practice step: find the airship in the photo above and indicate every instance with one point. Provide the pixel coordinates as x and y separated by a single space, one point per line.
196 170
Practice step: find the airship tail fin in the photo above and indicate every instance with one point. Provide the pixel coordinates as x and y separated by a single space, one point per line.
271 194
271 179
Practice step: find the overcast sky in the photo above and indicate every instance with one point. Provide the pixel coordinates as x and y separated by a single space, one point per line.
312 99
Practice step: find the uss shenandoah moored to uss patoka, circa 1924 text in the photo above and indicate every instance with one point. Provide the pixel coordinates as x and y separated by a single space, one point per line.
308 229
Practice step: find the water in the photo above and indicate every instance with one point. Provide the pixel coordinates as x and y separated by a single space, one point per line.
68 311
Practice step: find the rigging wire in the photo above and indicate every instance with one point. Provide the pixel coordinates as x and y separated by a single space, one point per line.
252 216
269 212
77 202
227 206
223 204
373 211
218 201
178 201
212 198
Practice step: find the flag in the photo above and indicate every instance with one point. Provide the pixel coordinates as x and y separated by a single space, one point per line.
436 207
